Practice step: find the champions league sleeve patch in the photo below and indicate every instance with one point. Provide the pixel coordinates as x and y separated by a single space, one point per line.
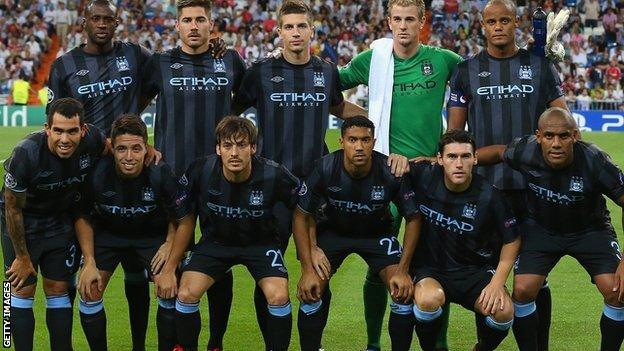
9 181
510 222
303 189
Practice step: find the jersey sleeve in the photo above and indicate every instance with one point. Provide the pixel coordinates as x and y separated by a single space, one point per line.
610 177
239 70
459 95
553 89
246 94
507 225
95 140
311 190
189 187
452 59
288 188
18 170
514 151
56 85
149 81
336 92
84 206
171 191
405 198
356 72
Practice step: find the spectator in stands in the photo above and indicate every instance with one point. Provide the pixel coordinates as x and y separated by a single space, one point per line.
592 12
613 73
578 55
609 22
597 93
583 101
61 21
20 90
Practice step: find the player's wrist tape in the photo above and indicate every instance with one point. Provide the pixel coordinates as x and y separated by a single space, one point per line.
91 307
280 310
22 302
61 301
168 304
524 309
185 307
426 316
614 313
310 308
498 325
402 309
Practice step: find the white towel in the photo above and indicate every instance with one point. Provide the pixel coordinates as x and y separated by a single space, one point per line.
380 84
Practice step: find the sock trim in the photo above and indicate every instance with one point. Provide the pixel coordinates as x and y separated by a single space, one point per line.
186 307
311 308
168 304
498 325
135 277
614 313
426 316
22 302
280 310
60 301
91 307
522 310
402 309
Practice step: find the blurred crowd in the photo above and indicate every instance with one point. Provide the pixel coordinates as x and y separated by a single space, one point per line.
593 38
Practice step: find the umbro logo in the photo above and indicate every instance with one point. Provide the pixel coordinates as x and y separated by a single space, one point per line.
82 72
176 65
484 74
277 79
214 192
44 174
109 193
334 189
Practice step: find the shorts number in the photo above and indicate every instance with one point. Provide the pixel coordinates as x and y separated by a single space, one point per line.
72 256
615 245
390 241
278 259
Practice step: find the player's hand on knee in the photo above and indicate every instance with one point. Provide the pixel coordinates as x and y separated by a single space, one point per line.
309 287
399 164
401 286
20 270
89 280
153 156
166 285
492 298
618 282
159 259
321 264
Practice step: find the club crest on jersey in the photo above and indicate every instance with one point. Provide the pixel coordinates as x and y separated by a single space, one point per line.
219 66
277 79
319 79
9 181
256 197
427 68
85 161
525 72
377 193
50 95
183 180
576 184
122 64
470 211
148 194
82 72
176 65
484 74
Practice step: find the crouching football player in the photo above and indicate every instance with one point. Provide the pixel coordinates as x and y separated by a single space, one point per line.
128 210
357 186
234 193
462 214
567 215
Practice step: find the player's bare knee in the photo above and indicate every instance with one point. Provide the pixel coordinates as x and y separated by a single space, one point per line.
430 300
278 297
186 295
25 292
525 291
504 315
55 287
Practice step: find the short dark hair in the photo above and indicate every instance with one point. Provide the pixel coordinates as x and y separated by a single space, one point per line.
206 4
105 3
456 136
357 121
290 7
66 107
232 127
128 123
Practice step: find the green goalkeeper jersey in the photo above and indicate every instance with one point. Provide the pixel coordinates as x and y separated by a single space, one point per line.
417 97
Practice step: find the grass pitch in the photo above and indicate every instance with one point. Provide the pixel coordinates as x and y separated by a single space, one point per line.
577 304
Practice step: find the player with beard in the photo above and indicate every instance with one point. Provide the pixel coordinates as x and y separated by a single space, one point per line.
41 184
194 93
566 215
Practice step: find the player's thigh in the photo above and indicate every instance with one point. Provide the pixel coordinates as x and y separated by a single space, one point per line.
143 256
263 261
428 291
132 264
605 283
539 251
193 285
379 253
35 248
598 252
60 258
335 247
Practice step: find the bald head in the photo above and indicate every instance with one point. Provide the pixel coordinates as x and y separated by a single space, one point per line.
556 115
509 4
103 3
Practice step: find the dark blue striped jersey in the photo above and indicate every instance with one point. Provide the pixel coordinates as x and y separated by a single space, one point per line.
194 93
459 229
51 184
505 98
355 207
238 214
139 209
569 200
292 103
107 85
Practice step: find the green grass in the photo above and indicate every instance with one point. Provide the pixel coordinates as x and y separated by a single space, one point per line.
577 305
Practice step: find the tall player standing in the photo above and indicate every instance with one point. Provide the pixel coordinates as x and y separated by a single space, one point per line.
501 93
105 76
194 92
40 188
421 73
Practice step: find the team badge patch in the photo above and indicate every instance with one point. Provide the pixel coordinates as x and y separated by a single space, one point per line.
377 193
427 68
9 181
183 180
85 161
219 66
122 64
470 211
256 197
319 79
303 189
148 194
525 72
576 184
50 95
